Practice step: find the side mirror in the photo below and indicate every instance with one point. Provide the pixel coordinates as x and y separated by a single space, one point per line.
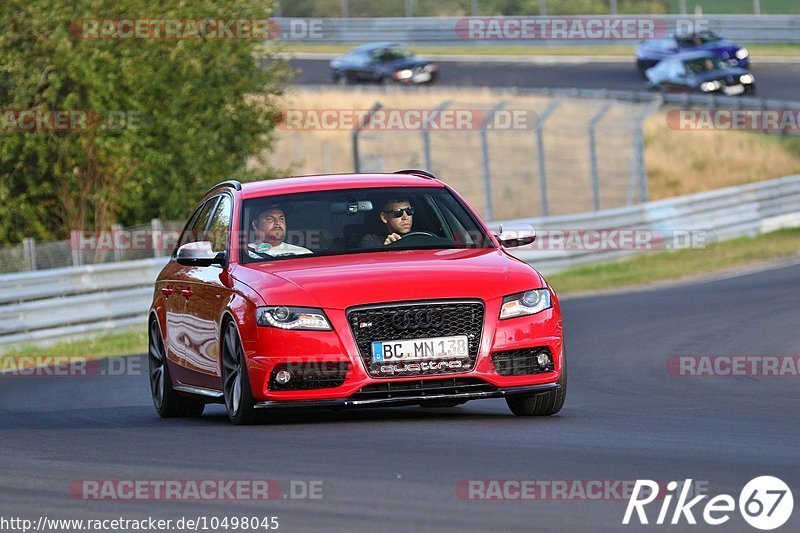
513 235
199 253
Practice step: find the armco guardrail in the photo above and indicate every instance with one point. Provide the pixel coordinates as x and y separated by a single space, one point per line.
61 303
67 302
453 30
671 223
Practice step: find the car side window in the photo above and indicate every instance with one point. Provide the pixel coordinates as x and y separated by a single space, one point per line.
196 230
220 224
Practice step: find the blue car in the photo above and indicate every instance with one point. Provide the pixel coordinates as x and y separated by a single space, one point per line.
700 72
382 63
649 53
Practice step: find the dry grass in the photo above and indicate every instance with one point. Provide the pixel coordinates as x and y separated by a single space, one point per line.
678 162
683 162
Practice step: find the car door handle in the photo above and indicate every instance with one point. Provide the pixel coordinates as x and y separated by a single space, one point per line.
166 291
187 293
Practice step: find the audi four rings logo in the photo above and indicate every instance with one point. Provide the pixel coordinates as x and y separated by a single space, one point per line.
417 319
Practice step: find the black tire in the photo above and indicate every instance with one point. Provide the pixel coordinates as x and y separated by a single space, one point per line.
541 404
239 402
167 401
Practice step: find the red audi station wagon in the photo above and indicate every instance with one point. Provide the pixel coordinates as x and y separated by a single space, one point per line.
350 290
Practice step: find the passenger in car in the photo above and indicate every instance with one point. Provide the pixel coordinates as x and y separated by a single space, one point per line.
269 232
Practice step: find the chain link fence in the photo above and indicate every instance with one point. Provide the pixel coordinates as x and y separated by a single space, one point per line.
156 239
575 155
570 154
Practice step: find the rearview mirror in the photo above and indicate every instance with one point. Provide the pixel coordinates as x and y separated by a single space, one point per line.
350 208
199 253
513 235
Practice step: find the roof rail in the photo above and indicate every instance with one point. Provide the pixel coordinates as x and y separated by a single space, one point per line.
229 183
416 172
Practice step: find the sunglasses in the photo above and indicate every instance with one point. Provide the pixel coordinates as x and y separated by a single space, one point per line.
397 213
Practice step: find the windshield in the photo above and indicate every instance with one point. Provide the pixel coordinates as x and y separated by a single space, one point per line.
356 221
393 53
705 64
697 39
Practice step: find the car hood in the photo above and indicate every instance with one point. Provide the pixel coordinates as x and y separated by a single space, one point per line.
338 282
719 47
653 51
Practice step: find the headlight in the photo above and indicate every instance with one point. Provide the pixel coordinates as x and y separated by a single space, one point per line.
709 86
525 303
741 53
746 78
403 74
430 67
300 318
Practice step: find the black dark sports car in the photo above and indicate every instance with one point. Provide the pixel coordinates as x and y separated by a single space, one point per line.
701 72
382 63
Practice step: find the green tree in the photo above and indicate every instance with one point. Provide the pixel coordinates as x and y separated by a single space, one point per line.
175 116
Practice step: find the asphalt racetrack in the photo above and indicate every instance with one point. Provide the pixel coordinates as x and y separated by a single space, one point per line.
626 417
778 81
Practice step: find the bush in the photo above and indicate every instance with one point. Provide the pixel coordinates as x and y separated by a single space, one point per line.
168 118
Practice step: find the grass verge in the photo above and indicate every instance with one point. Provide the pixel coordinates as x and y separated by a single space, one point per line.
131 341
756 50
642 269
659 266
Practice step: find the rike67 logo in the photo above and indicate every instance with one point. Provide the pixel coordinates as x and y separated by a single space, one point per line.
765 503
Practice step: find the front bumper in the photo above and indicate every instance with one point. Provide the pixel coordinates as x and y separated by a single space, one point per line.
269 349
340 403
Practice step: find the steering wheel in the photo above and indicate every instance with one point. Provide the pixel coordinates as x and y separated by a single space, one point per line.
412 233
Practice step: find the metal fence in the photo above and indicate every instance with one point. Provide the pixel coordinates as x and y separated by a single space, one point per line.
582 151
576 155
91 248
449 30
476 8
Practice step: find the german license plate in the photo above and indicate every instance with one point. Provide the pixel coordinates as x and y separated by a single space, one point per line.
733 90
432 348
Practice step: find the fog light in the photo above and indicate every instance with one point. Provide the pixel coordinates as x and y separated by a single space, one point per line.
543 360
283 377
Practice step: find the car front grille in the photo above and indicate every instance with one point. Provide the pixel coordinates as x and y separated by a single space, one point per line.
417 321
421 388
521 362
310 375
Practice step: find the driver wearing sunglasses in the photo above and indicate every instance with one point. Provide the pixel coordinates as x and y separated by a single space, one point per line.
398 216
